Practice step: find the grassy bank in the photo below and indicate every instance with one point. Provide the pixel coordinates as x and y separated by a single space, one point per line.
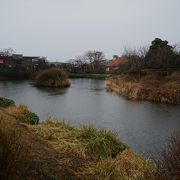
156 86
56 150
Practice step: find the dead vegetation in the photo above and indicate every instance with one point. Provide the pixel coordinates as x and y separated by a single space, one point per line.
56 150
160 87
25 155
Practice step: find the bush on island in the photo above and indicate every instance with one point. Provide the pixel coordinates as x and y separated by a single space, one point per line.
4 102
52 78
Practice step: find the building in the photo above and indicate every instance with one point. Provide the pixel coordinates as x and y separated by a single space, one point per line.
115 64
18 61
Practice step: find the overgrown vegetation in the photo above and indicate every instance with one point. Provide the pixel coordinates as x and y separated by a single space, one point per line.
169 162
160 55
126 166
87 141
22 114
157 86
52 78
56 150
5 102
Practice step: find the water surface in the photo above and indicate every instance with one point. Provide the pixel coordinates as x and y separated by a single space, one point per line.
144 126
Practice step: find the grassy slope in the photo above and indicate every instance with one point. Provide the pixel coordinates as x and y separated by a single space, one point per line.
29 156
152 86
55 150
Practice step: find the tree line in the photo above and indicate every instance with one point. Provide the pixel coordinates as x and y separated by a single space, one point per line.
160 55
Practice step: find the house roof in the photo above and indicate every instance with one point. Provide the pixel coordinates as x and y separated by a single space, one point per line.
115 62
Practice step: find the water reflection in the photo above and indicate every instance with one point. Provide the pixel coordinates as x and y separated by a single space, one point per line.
52 91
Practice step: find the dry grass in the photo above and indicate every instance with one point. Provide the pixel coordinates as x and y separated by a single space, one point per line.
170 158
127 166
152 87
86 141
55 150
18 112
22 114
24 155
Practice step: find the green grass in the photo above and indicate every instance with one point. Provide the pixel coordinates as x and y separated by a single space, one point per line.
5 102
87 141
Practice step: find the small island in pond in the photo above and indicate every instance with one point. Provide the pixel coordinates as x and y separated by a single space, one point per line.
52 78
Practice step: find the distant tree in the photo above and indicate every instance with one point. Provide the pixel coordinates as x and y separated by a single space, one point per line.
135 58
95 60
91 61
7 51
160 54
176 59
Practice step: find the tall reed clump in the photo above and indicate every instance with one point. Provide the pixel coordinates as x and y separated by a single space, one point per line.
5 102
52 78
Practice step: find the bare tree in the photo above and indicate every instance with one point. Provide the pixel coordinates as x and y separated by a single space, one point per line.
135 58
7 51
95 59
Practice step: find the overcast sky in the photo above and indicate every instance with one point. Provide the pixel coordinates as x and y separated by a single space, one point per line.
63 29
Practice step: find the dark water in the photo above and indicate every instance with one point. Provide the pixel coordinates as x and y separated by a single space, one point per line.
144 126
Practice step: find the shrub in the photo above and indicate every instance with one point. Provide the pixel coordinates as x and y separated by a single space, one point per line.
52 78
22 113
100 144
4 102
31 118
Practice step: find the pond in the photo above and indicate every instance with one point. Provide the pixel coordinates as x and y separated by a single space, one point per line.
144 126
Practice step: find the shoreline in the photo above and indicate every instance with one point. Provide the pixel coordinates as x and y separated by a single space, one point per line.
149 87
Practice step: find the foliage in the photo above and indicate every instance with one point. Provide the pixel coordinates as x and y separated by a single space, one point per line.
126 166
100 143
23 155
31 118
52 78
160 86
89 62
4 102
55 150
22 113
160 54
87 141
